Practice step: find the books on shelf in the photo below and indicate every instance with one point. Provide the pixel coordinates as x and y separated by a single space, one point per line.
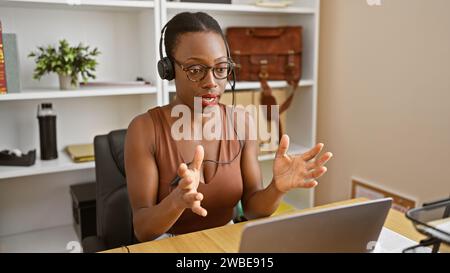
9 63
3 87
81 152
11 55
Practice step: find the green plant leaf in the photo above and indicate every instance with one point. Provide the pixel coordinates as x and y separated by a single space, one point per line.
65 59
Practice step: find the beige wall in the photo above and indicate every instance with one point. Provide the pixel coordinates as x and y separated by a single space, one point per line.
384 97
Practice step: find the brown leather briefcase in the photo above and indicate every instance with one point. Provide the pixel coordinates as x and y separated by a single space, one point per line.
267 53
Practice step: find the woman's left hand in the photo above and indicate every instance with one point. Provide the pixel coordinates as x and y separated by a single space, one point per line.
298 171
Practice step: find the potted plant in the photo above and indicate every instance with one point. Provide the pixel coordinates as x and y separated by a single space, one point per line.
67 61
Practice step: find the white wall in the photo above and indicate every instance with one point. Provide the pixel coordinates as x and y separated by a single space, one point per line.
384 96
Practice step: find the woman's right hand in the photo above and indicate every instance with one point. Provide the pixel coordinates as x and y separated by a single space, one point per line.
190 179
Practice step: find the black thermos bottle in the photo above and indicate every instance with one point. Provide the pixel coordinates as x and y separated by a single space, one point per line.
47 131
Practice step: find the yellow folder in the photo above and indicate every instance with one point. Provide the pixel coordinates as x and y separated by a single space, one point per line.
81 152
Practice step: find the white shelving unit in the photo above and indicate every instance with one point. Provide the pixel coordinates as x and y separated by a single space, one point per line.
80 4
127 33
62 164
236 8
54 93
123 31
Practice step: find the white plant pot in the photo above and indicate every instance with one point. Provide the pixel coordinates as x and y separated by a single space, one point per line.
65 82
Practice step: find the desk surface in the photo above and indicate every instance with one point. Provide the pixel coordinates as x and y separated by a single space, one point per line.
227 238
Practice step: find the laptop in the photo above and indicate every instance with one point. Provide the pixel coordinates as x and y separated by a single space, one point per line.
348 228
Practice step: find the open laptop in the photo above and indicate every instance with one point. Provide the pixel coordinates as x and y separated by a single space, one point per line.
349 228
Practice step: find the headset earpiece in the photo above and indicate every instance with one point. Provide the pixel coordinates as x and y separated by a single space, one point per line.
165 66
165 69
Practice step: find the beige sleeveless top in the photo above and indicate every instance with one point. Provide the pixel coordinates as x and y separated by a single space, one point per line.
221 192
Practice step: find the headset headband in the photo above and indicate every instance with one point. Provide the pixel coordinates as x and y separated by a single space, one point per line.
233 83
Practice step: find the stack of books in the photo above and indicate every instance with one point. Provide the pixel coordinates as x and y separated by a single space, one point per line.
81 152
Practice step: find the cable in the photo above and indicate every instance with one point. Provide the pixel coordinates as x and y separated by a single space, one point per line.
177 179
126 247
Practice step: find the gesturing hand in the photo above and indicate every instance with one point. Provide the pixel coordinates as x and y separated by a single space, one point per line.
298 171
190 179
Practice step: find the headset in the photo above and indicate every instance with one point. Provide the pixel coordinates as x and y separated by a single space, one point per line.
166 71
165 66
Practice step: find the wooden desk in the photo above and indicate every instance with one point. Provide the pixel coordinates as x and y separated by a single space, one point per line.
227 238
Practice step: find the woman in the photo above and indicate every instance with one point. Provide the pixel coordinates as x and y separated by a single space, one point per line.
221 172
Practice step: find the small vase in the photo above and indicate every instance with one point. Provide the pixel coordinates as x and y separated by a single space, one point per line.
65 82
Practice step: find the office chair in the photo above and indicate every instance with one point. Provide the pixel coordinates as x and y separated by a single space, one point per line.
114 214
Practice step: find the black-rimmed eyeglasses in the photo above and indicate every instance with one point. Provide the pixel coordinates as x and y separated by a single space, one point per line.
197 72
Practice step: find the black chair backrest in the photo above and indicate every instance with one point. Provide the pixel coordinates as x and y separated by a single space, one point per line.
114 215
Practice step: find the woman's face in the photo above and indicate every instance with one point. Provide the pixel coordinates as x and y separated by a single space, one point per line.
193 50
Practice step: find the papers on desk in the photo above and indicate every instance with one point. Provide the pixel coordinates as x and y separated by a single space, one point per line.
441 231
392 242
445 226
441 224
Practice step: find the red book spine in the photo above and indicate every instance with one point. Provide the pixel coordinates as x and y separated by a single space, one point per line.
2 65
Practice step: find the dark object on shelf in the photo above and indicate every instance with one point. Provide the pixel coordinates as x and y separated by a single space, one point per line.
9 158
47 131
141 79
83 208
433 221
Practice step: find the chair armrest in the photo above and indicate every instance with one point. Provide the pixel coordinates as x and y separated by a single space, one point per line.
93 244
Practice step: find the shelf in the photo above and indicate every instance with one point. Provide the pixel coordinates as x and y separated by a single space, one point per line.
64 163
272 84
102 4
54 93
257 85
233 8
293 149
61 164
